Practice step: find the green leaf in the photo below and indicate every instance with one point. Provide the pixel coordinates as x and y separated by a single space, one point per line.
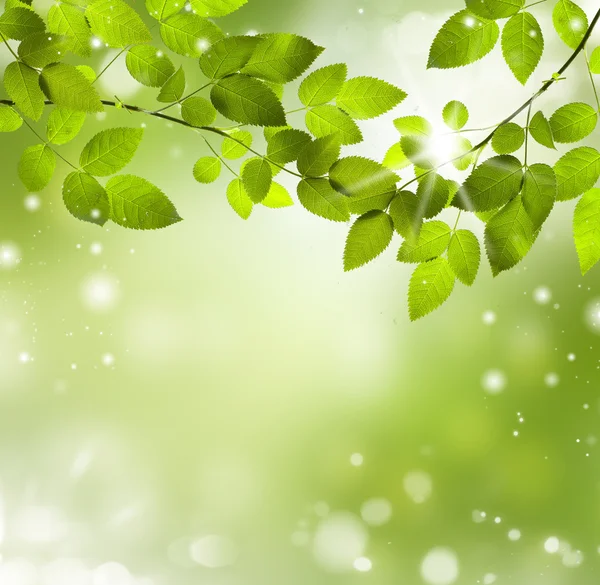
41 49
22 86
323 85
286 146
19 23
413 126
317 157
116 23
237 145
494 9
395 159
257 177
539 193
277 197
163 9
595 61
227 56
36 167
418 150
576 172
68 87
464 256
216 8
573 122
432 242
64 19
369 236
491 184
570 22
430 286
172 90
508 236
318 197
404 211
88 72
432 194
281 57
322 121
508 138
9 119
541 131
207 169
586 229
149 66
248 101
463 146
462 40
368 184
522 45
238 199
85 198
456 115
137 204
189 34
63 125
110 150
198 111
368 97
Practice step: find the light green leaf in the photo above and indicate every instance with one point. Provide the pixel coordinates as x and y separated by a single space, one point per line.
172 90
116 23
491 184
198 111
395 159
163 9
404 211
227 56
573 122
508 236
432 242
522 45
318 197
19 23
36 167
110 150
539 193
68 87
9 119
369 236
216 8
323 85
576 172
149 66
464 39
508 138
64 19
586 229
286 146
464 148
541 131
570 22
41 49
494 9
464 256
281 57
257 177
413 126
432 194
207 169
85 198
63 125
22 86
238 199
189 35
248 101
595 61
456 115
317 157
430 286
88 72
322 121
277 197
368 97
237 145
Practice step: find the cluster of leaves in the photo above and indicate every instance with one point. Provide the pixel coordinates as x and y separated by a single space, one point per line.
245 80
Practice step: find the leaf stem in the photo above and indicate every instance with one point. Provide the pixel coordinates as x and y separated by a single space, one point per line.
110 63
9 47
533 4
185 97
527 135
218 155
589 68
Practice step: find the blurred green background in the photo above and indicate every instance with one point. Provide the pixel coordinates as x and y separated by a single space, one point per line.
217 403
